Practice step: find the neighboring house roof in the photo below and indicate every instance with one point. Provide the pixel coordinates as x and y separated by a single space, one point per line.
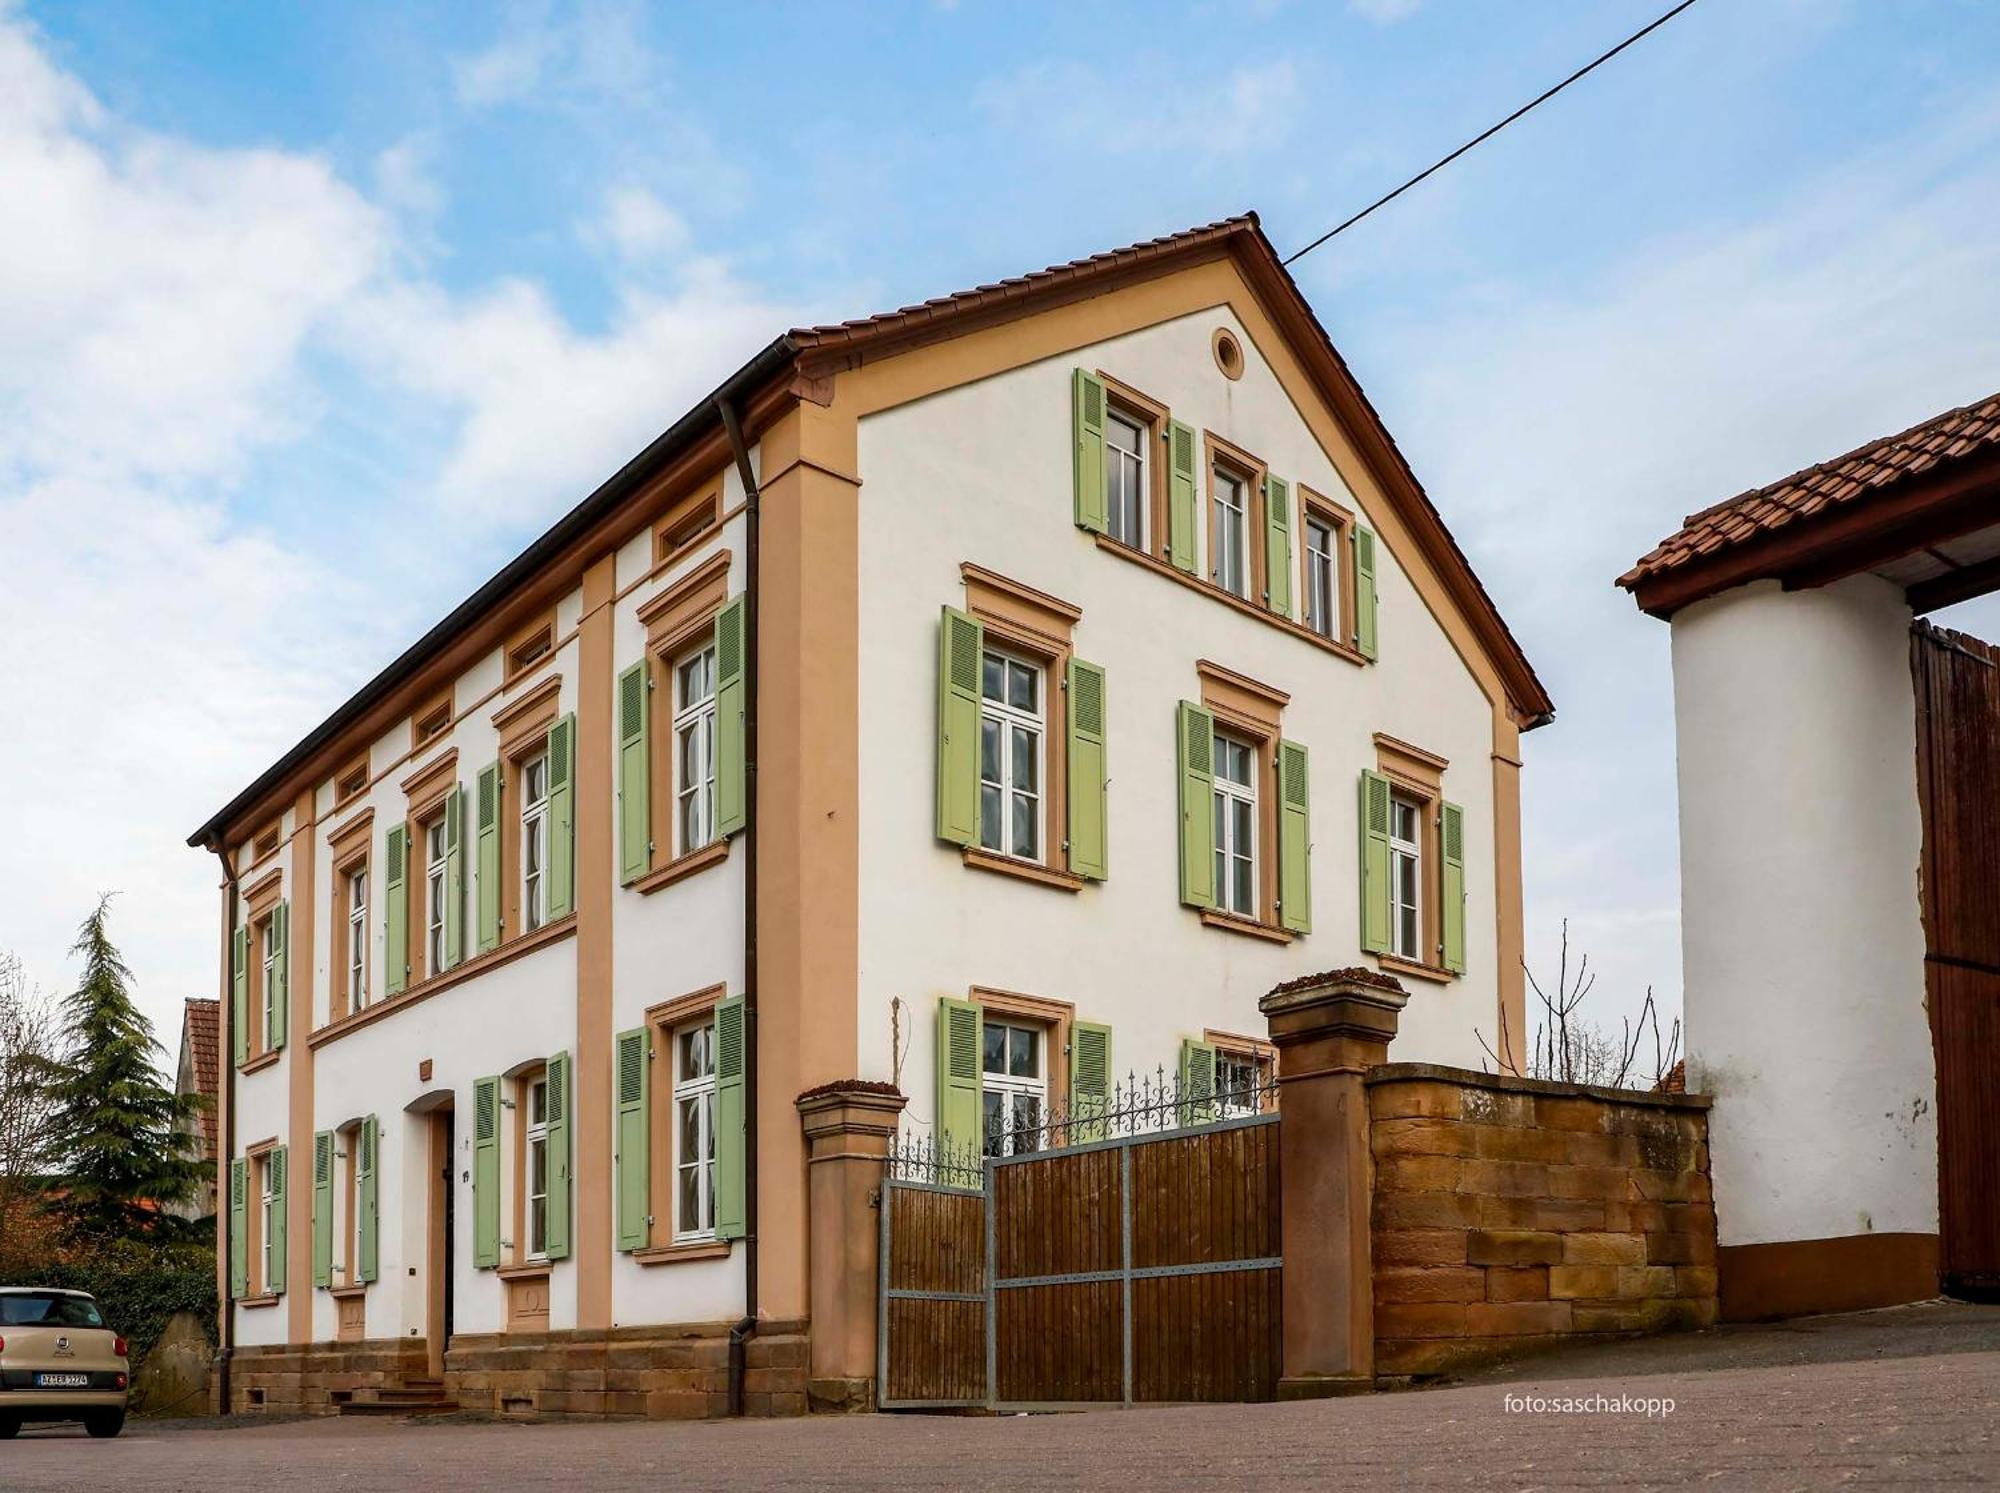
806 354
1723 546
1675 1080
201 1051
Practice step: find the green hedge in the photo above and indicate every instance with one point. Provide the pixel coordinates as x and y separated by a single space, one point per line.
139 1286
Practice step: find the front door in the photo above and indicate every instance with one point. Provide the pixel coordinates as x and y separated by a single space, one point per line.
1958 779
440 1251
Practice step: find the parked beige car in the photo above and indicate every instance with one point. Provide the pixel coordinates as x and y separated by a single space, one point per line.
58 1361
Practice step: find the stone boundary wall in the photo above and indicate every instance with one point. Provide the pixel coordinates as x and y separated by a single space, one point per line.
1509 1214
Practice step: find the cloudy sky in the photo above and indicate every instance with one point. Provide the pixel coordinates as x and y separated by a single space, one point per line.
310 317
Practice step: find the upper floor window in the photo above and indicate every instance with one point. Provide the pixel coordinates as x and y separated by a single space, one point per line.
538 1168
534 841
694 1131
268 942
1125 488
1322 577
1405 878
694 749
1235 826
357 937
1231 568
1011 730
434 894
1014 1088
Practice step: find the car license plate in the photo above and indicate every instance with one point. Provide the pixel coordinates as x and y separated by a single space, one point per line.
62 1381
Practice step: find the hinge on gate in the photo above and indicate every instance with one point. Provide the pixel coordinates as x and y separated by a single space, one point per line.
875 1197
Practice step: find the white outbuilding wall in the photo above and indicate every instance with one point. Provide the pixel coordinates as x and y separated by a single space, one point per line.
1802 932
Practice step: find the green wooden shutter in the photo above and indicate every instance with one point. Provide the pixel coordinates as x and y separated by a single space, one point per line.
633 1139
732 1041
1182 492
1451 899
562 818
961 643
559 1156
281 998
732 800
1195 752
1374 862
1364 591
1089 845
1087 411
486 856
239 1228
454 878
368 1198
239 995
1197 1082
1278 545
485 1172
396 907
1294 839
323 1208
635 773
959 1084
1090 1080
278 1162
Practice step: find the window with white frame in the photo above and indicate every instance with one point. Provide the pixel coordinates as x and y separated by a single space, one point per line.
1125 479
350 1190
694 1131
694 749
1232 532
267 1199
534 842
268 938
1322 573
1239 1082
357 937
538 1167
1010 756
1405 878
1014 1085
434 861
1235 826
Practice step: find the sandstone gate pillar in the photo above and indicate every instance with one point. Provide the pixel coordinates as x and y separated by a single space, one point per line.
1329 1031
848 1128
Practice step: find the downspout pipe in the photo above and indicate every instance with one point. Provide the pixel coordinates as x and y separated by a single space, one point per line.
225 1062
744 1330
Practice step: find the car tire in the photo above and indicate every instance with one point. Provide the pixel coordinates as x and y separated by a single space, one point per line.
104 1423
10 1427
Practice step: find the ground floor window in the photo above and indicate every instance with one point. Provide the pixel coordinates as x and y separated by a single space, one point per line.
694 1131
538 1168
1015 1086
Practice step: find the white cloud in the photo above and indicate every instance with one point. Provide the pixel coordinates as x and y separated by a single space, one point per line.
179 321
1385 12
638 227
1147 107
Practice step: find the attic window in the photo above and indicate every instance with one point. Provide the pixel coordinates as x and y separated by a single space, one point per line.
1228 353
531 649
266 843
352 783
434 722
687 523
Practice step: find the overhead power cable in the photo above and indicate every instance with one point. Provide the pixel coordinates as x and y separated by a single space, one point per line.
1488 134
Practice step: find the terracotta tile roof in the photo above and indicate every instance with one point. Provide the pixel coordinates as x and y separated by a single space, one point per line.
1862 474
202 1036
1675 1081
958 302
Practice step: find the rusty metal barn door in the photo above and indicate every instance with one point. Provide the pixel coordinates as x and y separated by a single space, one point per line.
1958 779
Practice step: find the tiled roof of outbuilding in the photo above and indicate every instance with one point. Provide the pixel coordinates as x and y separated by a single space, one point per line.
203 1036
1854 478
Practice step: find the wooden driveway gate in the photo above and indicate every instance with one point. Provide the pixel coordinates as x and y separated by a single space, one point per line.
1142 1269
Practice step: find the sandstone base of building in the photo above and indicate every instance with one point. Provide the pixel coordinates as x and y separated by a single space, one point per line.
318 1378
1801 1277
629 1373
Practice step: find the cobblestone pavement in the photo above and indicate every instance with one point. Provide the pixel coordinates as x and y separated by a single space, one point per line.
1901 1399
